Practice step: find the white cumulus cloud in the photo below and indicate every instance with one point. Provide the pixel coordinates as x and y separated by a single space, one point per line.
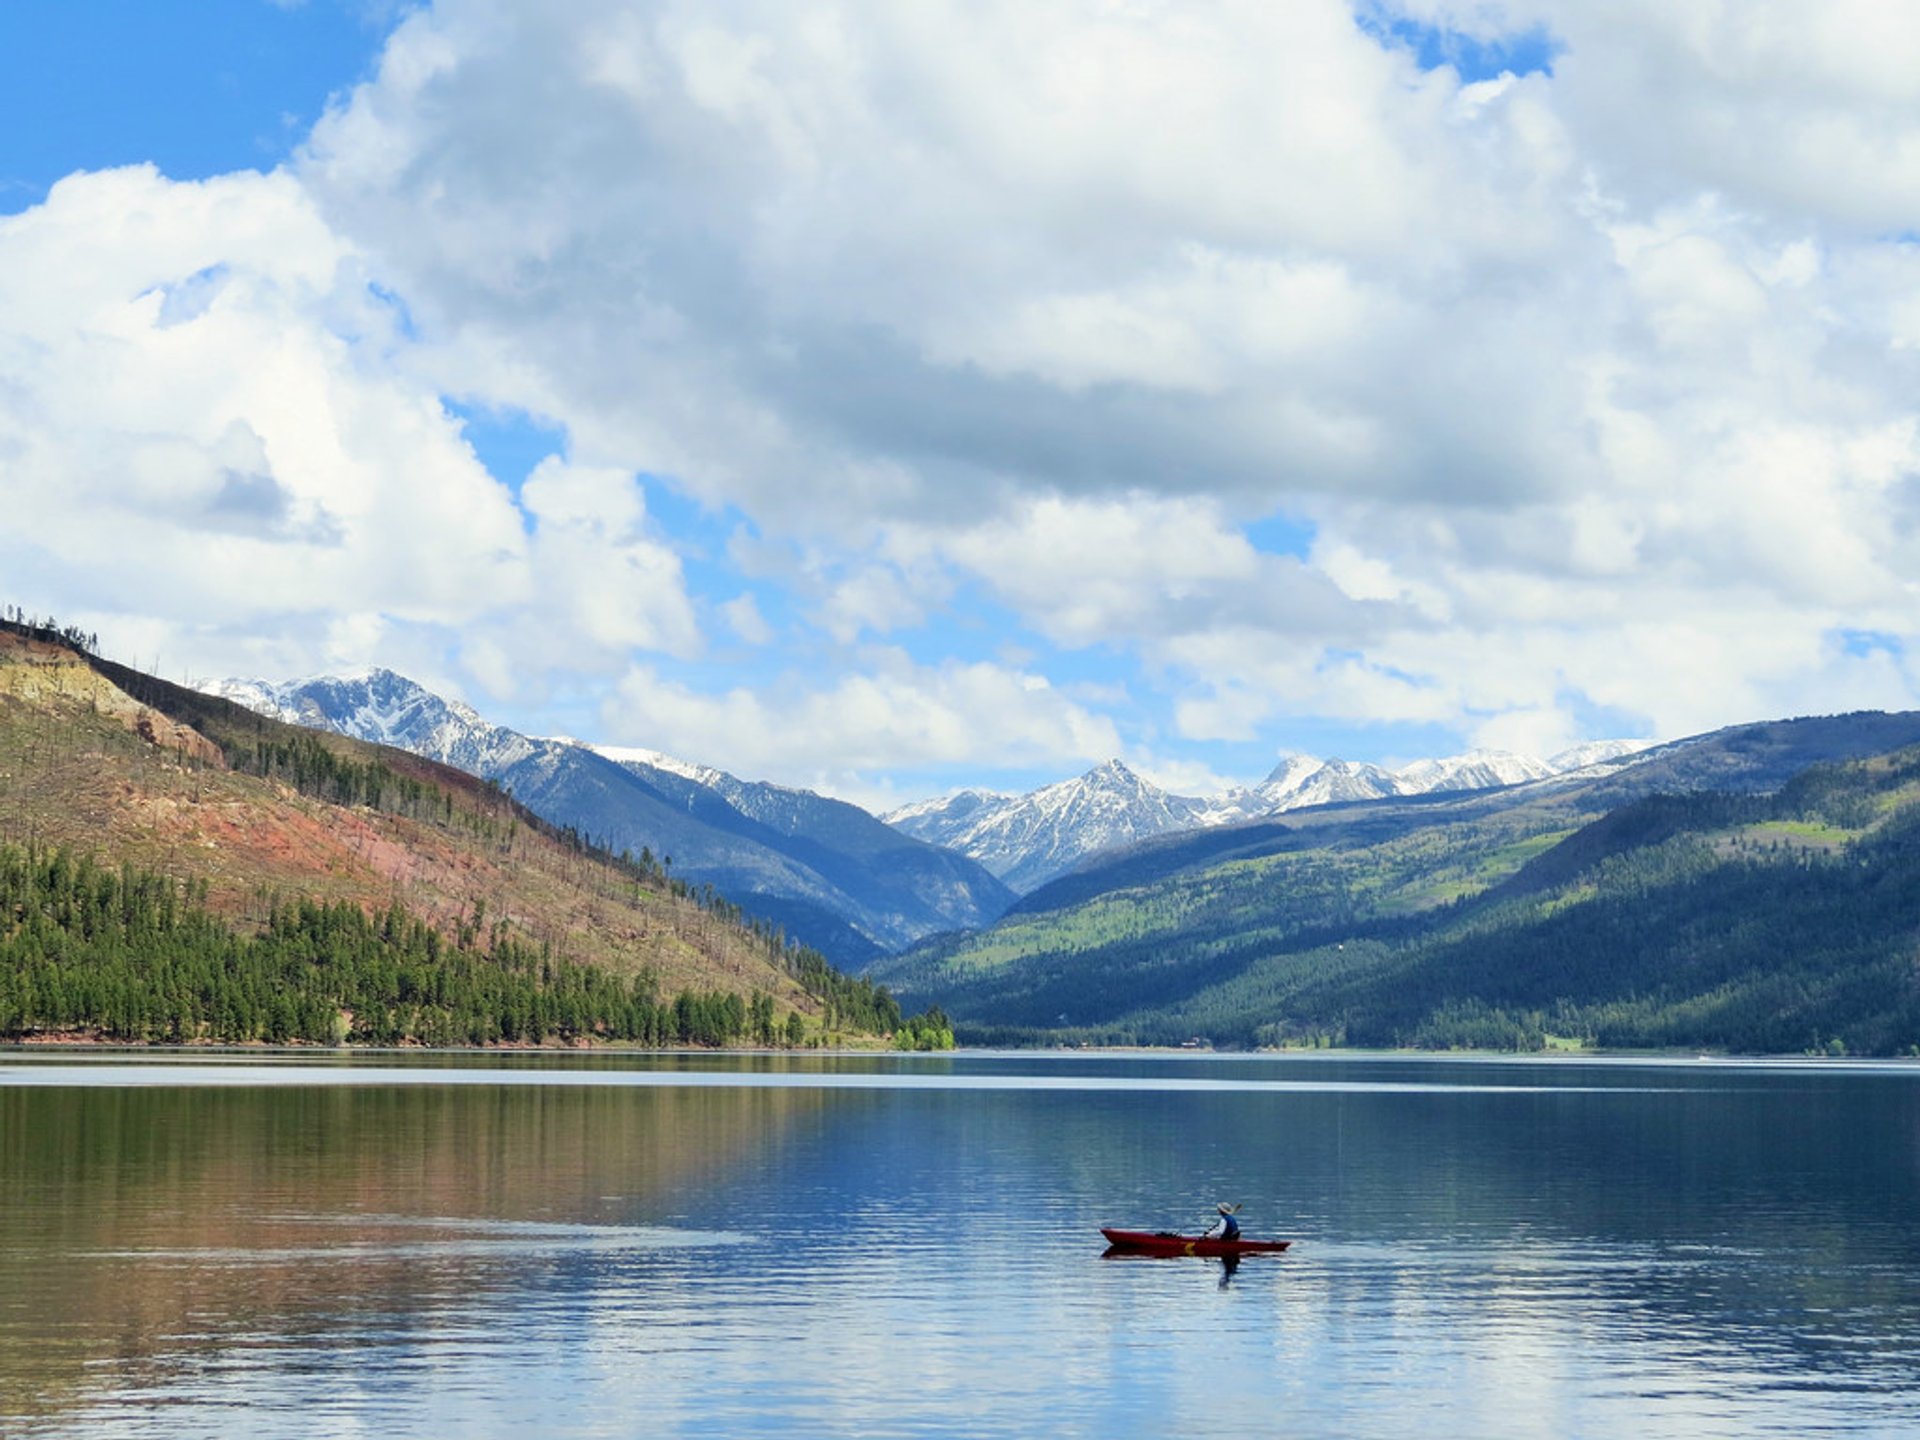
211 443
1590 389
890 714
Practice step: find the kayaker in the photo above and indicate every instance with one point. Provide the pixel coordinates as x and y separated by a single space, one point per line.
1226 1227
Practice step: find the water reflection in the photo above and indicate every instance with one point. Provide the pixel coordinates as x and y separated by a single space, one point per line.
1646 1252
1227 1265
151 1224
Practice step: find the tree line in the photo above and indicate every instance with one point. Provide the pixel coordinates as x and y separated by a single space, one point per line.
133 955
50 630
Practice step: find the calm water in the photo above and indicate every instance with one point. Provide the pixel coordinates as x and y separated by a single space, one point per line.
762 1245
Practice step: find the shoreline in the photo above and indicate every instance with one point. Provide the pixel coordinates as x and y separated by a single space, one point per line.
51 1047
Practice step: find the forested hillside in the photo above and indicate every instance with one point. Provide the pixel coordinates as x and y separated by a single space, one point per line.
1742 759
175 867
826 872
1740 921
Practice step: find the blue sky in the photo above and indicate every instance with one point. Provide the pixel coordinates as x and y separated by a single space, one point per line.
889 401
196 89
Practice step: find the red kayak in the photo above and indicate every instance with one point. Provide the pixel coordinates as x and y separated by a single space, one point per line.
1165 1242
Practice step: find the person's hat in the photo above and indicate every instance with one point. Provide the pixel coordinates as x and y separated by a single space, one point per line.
1225 1209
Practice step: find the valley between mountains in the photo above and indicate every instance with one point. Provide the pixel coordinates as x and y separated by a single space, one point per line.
357 859
1753 889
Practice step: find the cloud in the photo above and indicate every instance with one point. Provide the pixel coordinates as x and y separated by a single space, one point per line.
1589 389
1798 112
212 443
743 617
1083 571
234 450
612 583
870 262
888 715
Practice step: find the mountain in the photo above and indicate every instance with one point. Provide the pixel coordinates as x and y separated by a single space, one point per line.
1300 781
1745 759
177 866
1595 752
824 871
1028 840
388 709
896 889
1475 770
1754 888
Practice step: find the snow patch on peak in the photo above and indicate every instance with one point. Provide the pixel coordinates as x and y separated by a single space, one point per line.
1291 771
255 695
1475 770
943 808
656 760
1597 752
1026 840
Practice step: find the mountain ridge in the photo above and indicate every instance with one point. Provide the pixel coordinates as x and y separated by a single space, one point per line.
1691 897
823 870
1033 838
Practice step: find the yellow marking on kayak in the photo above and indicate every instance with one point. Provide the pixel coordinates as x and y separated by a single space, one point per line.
1190 1245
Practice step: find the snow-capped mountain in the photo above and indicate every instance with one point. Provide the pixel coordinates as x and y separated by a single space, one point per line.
815 864
1029 839
827 872
389 709
1475 770
633 755
1595 752
1299 781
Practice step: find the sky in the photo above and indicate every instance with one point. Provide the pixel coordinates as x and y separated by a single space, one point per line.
884 398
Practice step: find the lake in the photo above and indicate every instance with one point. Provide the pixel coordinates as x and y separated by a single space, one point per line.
711 1245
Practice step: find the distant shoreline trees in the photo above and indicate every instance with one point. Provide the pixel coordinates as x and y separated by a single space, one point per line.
135 957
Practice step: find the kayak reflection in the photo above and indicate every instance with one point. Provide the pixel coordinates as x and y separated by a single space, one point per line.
1229 1264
